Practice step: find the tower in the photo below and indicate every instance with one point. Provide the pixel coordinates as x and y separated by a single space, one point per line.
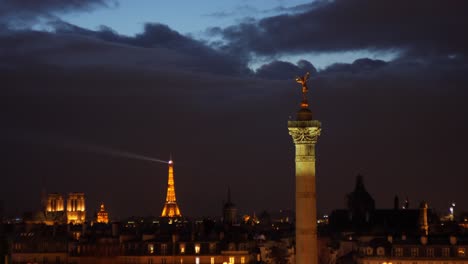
102 216
76 210
305 131
229 210
170 207
54 203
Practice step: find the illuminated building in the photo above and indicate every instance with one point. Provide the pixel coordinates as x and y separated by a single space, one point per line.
76 211
170 207
411 250
305 132
54 210
54 203
102 215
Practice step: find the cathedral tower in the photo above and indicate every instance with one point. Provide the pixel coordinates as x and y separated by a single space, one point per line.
170 207
305 131
229 211
76 209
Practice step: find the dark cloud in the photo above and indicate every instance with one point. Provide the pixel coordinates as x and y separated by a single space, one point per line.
402 124
281 70
360 66
156 47
420 27
396 127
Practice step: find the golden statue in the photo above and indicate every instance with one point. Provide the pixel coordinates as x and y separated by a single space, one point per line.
303 82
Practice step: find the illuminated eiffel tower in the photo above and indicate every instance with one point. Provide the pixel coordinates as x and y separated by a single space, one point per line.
170 207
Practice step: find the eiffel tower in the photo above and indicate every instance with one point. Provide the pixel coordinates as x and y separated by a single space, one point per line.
170 207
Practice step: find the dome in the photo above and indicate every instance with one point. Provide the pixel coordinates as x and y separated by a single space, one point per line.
304 114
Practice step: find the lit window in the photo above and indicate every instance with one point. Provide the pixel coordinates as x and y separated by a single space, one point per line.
212 260
399 252
461 252
231 260
182 248
197 260
151 248
242 260
380 251
414 252
197 248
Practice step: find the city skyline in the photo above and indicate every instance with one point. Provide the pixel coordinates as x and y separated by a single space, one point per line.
220 103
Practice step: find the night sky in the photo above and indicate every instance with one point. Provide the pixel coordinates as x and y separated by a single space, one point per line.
213 85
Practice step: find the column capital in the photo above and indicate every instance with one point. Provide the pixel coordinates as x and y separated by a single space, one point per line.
304 135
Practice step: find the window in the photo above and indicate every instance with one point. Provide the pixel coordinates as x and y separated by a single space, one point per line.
231 260
197 260
461 252
362 251
182 248
398 252
151 248
369 251
380 251
197 249
445 252
163 249
430 252
212 247
242 260
414 252
212 260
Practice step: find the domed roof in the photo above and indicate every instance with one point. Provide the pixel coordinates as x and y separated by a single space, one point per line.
304 114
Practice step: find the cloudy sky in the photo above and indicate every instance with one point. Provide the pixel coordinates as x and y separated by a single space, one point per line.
213 84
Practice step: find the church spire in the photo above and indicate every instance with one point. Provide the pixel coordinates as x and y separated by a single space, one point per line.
170 207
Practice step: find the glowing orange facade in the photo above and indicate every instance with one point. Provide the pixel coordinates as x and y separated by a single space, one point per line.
170 207
54 203
102 215
76 211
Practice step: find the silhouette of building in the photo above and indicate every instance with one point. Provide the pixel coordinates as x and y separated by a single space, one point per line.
362 217
229 211
171 209
360 203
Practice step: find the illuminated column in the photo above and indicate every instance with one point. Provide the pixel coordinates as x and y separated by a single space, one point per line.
423 224
305 132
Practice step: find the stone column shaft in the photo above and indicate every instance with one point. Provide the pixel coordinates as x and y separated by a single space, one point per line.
305 134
